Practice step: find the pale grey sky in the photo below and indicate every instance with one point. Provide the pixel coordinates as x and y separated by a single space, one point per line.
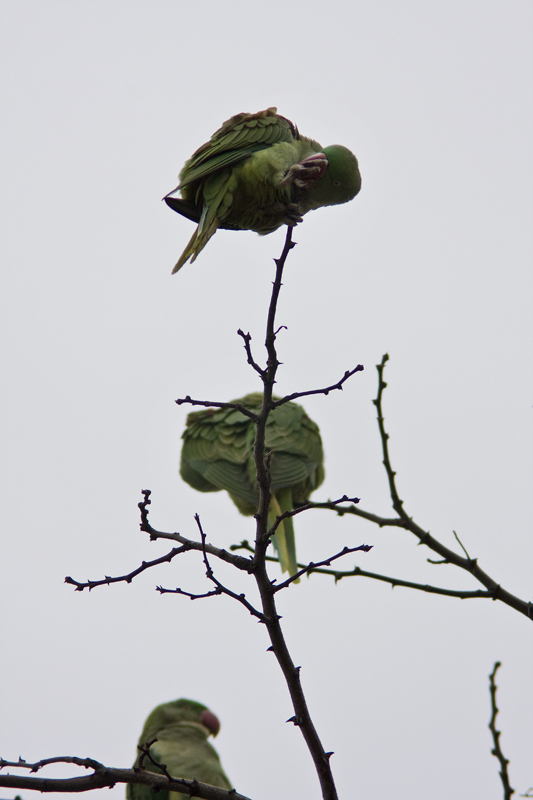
103 102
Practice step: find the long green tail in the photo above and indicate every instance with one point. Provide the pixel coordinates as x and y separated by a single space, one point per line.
283 540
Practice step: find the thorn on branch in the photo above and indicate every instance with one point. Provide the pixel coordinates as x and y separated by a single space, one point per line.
295 720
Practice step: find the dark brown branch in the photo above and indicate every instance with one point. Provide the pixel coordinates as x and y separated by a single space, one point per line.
397 504
215 404
356 572
255 566
244 564
103 776
190 595
312 567
306 507
249 357
295 395
186 545
220 588
131 575
403 520
87 763
496 751
291 673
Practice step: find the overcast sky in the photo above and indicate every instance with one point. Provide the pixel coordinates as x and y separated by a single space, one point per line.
102 102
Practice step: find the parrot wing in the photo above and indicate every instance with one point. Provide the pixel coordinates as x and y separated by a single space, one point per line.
236 139
215 455
218 453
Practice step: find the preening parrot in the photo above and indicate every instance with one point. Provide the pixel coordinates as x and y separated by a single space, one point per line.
182 728
257 173
217 454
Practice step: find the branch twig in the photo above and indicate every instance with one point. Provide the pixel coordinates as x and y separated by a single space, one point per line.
496 751
214 404
312 567
339 385
403 520
357 572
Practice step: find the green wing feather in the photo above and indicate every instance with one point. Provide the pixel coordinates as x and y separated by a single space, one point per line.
236 139
182 730
217 454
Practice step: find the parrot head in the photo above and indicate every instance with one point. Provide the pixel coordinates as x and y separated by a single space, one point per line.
340 182
179 712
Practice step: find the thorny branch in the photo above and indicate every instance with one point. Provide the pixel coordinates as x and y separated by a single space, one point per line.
255 565
295 395
300 509
80 586
214 404
302 717
356 572
187 545
219 587
403 520
103 776
312 567
496 751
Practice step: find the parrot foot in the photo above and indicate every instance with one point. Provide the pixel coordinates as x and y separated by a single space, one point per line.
306 172
292 213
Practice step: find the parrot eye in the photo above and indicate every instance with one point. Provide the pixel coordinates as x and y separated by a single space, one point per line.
336 183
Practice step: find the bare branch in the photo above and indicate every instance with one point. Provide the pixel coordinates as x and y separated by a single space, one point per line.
496 751
339 385
403 520
397 504
306 507
278 646
356 572
249 357
190 595
255 566
103 776
215 404
88 763
244 564
186 545
220 588
312 567
80 586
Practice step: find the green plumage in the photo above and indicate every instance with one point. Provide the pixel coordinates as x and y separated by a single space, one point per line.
257 173
182 728
217 454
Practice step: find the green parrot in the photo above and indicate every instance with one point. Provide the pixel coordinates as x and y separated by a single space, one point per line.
182 728
217 454
257 173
